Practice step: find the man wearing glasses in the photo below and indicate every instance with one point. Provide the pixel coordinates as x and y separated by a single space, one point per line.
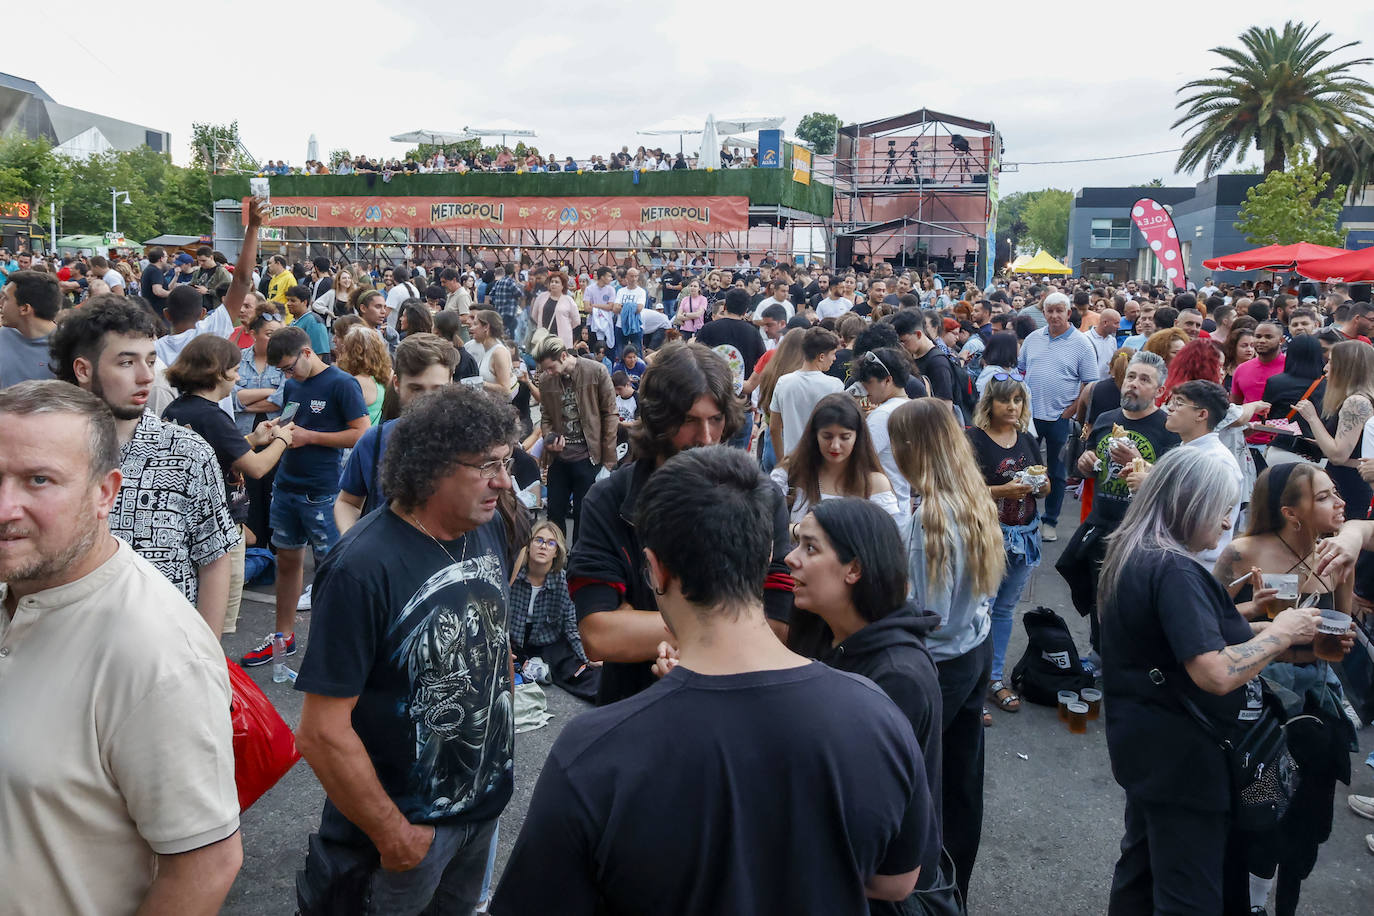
330 416
408 718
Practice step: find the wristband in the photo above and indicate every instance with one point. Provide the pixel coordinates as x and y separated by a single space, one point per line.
282 440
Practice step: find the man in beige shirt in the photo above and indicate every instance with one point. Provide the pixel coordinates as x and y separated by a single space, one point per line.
117 786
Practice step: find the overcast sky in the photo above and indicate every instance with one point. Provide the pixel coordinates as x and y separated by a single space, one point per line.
1060 81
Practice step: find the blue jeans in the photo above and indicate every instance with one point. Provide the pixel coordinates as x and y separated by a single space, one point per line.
1053 434
767 460
485 895
300 519
1004 608
746 431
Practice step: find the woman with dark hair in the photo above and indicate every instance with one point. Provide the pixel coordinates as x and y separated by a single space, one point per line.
834 458
1303 379
414 318
998 356
850 610
1240 347
555 311
206 372
1170 631
1294 507
1004 450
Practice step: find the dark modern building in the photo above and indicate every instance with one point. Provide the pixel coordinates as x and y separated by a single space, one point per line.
1103 240
25 107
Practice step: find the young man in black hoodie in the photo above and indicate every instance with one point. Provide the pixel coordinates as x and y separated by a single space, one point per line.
686 399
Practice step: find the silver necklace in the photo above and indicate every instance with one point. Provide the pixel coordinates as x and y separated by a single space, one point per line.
438 543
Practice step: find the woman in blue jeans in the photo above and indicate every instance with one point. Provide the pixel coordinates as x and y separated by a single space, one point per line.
1004 450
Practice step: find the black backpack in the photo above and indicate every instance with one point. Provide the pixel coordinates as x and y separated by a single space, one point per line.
1050 663
965 398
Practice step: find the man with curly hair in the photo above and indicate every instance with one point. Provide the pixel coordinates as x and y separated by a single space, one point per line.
408 718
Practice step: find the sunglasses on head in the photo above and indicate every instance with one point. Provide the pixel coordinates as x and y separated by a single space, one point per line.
1009 375
871 357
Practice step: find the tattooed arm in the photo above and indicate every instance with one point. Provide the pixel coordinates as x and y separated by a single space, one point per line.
1227 670
1350 426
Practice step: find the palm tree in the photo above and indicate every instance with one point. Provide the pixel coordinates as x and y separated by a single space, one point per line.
1349 161
1278 93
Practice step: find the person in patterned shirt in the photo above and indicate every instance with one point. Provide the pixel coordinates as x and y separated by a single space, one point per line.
171 505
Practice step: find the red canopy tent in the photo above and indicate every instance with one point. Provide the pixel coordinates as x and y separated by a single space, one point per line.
1272 257
1350 267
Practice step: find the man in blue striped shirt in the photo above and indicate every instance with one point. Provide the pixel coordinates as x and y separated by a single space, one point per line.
1058 362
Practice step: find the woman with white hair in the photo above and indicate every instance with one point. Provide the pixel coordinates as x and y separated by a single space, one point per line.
1174 647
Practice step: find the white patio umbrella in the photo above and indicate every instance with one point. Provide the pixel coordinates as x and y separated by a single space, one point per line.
743 124
678 126
710 146
312 149
500 129
433 137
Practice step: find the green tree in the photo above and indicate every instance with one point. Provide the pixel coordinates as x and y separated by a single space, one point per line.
1047 220
30 172
1350 161
1289 207
216 148
1278 93
819 129
337 156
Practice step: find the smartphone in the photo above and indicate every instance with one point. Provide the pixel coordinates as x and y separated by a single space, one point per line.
1286 583
288 412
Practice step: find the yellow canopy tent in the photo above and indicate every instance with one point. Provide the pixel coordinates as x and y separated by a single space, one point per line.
1020 259
1042 263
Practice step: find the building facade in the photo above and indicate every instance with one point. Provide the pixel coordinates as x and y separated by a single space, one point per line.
1104 243
26 108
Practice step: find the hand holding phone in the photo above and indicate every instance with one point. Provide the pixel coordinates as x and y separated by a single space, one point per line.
288 412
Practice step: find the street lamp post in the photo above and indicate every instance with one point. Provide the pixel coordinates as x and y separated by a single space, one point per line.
114 209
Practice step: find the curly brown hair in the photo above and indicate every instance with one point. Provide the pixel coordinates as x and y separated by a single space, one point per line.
362 351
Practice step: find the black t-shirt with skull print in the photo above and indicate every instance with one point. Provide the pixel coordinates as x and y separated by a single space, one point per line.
416 630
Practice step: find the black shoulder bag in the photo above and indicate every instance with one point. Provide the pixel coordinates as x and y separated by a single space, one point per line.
1264 775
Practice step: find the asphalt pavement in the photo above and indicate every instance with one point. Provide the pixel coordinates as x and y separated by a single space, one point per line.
1051 829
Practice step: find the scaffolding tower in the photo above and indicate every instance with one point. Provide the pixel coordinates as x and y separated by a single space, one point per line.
918 190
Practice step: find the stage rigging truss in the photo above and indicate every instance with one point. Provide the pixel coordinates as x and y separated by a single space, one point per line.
919 190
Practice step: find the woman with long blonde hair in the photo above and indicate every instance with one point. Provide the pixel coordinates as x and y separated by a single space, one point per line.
363 355
786 358
955 561
1346 407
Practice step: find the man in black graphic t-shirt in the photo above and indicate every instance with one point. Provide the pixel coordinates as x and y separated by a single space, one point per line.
408 718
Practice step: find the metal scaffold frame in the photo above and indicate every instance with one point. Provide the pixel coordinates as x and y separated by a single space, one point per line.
920 167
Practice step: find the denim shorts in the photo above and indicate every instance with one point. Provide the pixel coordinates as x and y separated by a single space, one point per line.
300 519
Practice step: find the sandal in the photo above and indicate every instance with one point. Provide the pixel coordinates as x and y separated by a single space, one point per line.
1005 698
987 718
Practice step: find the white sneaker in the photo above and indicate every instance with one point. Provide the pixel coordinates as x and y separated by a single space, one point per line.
1047 533
304 603
1363 805
1369 841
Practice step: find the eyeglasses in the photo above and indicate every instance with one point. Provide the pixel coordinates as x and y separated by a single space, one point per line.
1011 375
490 469
291 369
544 542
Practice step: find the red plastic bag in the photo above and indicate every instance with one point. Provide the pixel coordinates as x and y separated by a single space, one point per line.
264 747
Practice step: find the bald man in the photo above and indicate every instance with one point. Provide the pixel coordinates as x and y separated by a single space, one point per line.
1103 338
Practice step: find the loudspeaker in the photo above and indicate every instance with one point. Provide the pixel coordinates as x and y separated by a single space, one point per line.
844 251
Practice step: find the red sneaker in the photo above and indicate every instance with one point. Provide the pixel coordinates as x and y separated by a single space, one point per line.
263 653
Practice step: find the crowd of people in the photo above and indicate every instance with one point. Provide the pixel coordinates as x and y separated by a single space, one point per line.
493 465
506 160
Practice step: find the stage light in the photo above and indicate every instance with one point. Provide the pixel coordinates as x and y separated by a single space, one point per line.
958 142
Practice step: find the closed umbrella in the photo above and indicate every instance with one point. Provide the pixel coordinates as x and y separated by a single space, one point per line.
710 145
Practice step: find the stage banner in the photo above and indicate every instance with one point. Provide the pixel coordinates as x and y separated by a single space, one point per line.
674 214
990 240
1155 223
770 149
801 164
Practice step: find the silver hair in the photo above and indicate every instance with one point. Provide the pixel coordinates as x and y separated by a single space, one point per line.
50 396
1188 491
1154 361
1055 299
